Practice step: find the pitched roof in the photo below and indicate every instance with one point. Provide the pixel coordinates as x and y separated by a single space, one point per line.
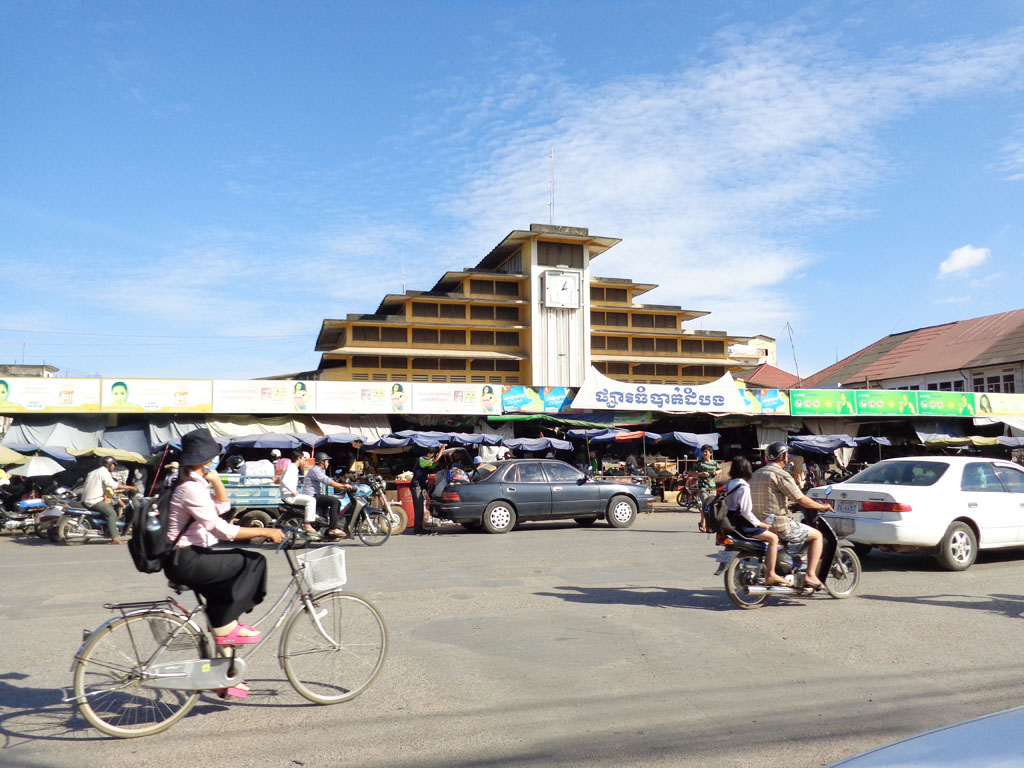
768 377
980 341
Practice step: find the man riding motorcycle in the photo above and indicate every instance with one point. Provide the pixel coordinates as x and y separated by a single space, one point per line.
773 489
94 495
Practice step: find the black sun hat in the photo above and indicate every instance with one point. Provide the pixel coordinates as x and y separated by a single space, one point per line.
198 447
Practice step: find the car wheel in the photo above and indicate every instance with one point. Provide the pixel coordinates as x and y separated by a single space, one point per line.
959 548
499 517
621 512
862 550
585 522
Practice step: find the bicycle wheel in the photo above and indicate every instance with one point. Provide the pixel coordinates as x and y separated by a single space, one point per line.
373 528
108 675
327 672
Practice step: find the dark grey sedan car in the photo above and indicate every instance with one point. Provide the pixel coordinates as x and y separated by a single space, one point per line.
505 492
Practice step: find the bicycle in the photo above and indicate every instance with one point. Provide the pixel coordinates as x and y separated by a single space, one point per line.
141 672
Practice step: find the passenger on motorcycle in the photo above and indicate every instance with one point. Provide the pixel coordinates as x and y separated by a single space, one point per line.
773 489
741 516
94 494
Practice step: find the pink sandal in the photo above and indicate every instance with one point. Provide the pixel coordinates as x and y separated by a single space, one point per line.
234 692
233 638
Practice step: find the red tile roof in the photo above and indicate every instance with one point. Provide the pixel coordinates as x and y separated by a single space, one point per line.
981 341
768 377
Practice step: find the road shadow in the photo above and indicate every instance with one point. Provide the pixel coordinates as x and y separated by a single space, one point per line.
658 597
1010 606
39 714
877 561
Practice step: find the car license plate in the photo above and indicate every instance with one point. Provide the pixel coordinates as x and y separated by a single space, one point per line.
725 556
848 507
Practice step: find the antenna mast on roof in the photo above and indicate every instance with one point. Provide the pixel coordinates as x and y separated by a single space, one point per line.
551 187
792 346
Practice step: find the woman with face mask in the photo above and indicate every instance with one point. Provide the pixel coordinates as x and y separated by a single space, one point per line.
231 581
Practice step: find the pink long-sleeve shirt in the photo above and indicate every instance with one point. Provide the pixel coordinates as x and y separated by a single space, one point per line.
192 499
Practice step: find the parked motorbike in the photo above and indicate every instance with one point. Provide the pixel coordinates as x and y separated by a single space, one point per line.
396 513
369 524
79 524
20 516
743 561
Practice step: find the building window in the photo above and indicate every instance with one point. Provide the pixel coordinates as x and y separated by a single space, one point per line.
691 371
714 347
665 321
933 387
618 343
394 362
945 386
691 347
424 336
978 383
643 345
362 361
1009 383
596 294
597 318
481 365
666 370
453 337
992 383
643 369
597 342
506 365
513 264
618 295
618 369
454 311
506 288
915 386
482 287
424 310
665 346
424 363
507 314
394 335
958 385
453 364
717 371
365 333
481 313
643 321
481 338
560 254
506 339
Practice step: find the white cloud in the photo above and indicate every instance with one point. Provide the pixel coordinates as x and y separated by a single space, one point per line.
963 258
953 300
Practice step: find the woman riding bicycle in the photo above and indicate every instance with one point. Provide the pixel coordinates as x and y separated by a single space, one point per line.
232 581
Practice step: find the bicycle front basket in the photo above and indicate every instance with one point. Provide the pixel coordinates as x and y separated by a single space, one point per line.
323 569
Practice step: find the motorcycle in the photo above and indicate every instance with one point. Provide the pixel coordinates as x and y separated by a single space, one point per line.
743 561
78 524
370 525
20 516
396 512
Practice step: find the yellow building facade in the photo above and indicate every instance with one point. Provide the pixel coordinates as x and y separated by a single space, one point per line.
531 313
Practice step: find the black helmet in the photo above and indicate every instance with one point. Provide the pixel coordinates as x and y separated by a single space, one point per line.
321 456
776 450
234 462
108 461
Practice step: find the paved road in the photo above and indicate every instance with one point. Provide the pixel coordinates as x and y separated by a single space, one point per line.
550 646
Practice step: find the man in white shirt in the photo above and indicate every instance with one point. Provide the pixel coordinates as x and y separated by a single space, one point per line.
94 494
290 490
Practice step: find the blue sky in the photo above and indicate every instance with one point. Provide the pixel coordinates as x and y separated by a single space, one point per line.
188 188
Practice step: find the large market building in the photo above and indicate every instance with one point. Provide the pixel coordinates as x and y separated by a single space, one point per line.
531 312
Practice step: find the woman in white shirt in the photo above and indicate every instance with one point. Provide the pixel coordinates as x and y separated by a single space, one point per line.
741 515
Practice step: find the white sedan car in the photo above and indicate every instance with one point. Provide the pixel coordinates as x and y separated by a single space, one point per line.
948 505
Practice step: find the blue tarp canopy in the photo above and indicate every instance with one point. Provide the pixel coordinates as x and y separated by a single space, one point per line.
693 439
132 438
429 439
53 451
1011 442
342 438
539 444
282 441
610 435
393 443
830 443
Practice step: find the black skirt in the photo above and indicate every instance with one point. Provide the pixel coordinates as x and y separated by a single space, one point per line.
743 526
232 581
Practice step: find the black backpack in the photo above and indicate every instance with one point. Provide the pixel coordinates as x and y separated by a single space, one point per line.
148 544
715 515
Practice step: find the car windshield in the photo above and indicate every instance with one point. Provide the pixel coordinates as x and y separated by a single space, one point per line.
907 472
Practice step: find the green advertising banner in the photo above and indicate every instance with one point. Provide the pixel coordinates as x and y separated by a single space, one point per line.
822 402
946 403
883 402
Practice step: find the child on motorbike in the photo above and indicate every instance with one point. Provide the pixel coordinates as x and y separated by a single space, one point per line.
741 516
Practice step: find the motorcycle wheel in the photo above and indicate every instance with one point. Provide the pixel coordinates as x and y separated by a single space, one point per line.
398 518
743 571
66 526
373 528
844 575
